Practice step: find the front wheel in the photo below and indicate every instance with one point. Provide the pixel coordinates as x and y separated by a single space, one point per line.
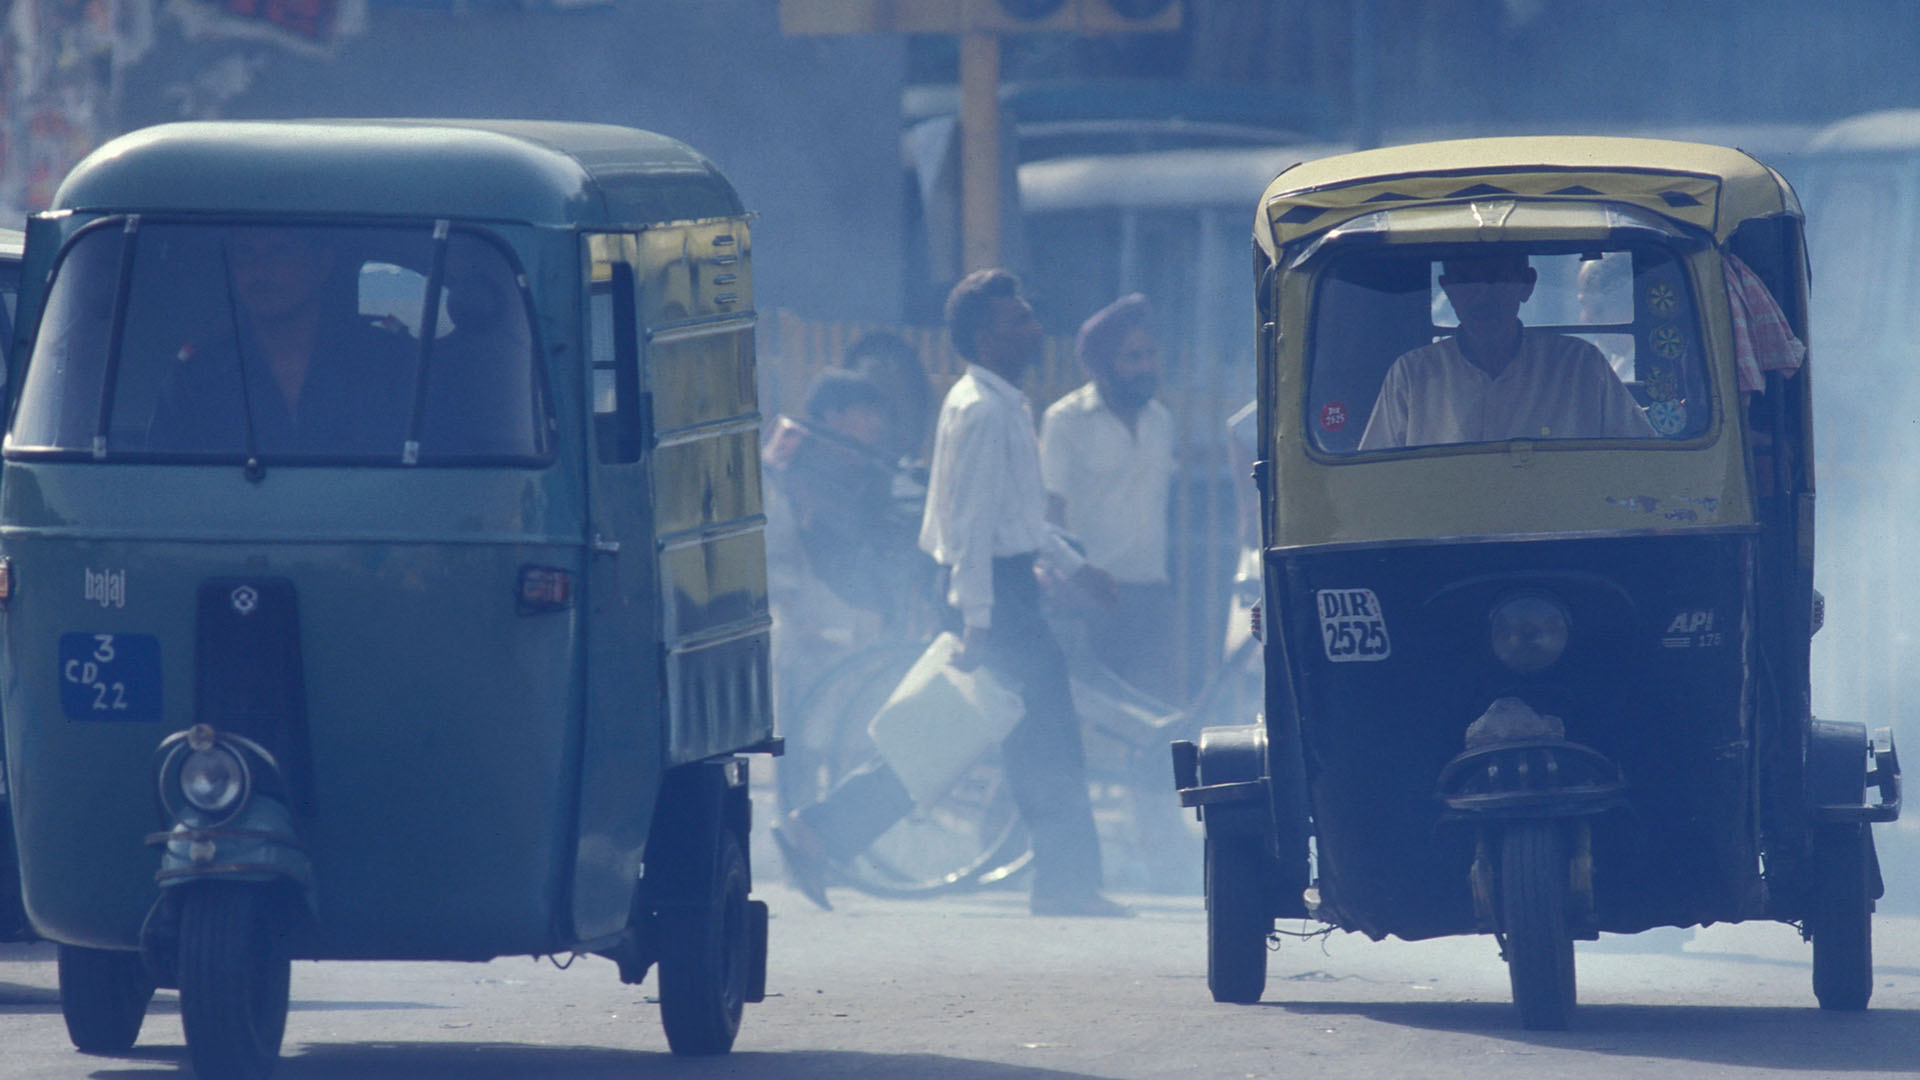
234 974
1238 921
1533 910
103 997
1841 918
705 958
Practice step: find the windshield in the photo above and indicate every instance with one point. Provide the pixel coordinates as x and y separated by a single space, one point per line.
1415 347
285 343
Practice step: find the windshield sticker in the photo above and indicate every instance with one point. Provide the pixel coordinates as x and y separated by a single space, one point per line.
1333 415
1668 342
1662 300
1667 417
1351 626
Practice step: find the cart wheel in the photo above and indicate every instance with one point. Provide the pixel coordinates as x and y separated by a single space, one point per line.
1238 923
233 981
1841 918
1533 909
704 959
103 996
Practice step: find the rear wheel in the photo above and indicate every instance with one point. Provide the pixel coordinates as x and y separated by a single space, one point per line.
234 975
705 958
1841 918
1533 909
103 996
1238 922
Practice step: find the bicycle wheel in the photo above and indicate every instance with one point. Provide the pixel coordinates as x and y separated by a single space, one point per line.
971 838
848 692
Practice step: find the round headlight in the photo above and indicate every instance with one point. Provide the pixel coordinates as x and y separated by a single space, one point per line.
1529 631
213 779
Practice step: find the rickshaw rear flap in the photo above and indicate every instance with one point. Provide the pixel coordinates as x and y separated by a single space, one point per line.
1707 187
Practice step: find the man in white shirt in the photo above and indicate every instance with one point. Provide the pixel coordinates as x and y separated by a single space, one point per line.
985 522
1106 457
1496 380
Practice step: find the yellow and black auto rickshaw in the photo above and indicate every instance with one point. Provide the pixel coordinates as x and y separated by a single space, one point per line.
1537 488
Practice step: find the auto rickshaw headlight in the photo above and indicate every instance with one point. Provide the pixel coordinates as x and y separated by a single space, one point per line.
213 779
1529 631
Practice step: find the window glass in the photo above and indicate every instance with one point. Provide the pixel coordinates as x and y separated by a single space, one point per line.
613 330
287 342
1421 347
606 399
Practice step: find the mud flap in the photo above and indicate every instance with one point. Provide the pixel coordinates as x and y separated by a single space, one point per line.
757 951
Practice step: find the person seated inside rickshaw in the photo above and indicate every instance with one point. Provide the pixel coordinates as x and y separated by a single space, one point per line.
480 375
1496 380
308 375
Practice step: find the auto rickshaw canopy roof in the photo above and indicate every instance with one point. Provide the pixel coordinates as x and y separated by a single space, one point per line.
1710 188
543 173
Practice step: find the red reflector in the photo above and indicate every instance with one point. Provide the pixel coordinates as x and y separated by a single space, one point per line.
544 588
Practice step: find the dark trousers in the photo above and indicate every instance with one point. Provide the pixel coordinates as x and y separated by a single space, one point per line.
1045 762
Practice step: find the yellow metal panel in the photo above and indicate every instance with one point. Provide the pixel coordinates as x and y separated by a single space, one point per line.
694 271
702 483
701 378
712 585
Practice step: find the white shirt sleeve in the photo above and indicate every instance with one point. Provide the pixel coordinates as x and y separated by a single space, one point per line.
969 503
1056 452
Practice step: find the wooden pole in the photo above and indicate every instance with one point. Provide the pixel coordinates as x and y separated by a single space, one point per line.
980 149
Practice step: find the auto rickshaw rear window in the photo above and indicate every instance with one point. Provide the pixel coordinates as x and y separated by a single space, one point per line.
1421 347
288 343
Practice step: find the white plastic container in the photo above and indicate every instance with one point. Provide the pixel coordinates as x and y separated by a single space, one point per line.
939 720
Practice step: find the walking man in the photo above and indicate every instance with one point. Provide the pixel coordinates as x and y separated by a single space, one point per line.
985 522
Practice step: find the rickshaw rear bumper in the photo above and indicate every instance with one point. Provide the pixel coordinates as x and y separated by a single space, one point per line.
1527 779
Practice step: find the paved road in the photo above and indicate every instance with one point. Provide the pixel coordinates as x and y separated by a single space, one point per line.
974 988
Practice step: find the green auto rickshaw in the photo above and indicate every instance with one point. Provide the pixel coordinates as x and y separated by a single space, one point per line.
382 568
1536 476
13 917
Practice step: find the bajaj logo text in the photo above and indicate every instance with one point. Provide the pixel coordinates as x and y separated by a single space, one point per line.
108 588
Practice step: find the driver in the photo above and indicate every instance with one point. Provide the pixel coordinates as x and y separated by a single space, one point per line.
311 379
1496 380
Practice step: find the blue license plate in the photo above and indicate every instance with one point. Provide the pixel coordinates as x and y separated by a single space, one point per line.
110 677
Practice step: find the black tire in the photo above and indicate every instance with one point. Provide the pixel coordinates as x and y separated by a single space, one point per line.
103 996
704 960
1841 918
1238 920
1533 915
234 974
